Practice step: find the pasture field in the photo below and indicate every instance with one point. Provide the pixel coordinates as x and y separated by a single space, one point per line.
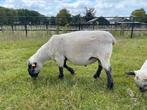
79 92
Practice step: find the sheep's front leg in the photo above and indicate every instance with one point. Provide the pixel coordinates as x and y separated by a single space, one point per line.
68 68
61 75
60 61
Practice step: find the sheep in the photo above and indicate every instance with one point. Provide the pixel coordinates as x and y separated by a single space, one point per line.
81 48
140 77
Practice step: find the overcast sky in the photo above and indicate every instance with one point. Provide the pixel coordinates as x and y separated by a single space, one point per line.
103 7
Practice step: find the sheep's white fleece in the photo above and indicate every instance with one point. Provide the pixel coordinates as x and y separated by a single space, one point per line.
78 47
141 75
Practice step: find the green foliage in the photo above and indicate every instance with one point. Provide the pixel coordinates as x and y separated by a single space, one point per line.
63 17
4 13
80 92
140 15
57 29
21 16
65 28
29 17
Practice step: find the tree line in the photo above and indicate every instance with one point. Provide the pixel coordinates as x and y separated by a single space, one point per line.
64 17
20 16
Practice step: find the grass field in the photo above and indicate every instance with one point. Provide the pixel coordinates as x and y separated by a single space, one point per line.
80 92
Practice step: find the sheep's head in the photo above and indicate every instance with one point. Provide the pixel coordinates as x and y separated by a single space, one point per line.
140 79
33 69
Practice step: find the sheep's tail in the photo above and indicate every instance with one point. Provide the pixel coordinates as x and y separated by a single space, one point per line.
113 41
113 38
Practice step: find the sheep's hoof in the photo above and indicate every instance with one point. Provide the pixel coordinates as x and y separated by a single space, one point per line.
61 76
110 85
72 71
95 76
142 89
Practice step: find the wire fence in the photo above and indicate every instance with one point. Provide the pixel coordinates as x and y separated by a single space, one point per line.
26 24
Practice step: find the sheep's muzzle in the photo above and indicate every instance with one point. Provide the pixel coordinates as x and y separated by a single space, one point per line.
33 73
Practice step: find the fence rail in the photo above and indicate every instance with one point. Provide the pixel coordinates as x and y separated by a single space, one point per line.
23 23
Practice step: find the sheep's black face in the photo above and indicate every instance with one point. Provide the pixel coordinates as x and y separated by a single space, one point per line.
32 69
143 88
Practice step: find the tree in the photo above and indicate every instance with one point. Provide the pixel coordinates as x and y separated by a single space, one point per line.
7 16
89 13
29 16
140 15
63 17
21 16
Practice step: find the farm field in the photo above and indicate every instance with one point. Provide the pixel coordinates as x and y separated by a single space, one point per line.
79 92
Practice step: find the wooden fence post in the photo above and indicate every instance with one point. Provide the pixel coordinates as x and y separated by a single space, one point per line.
79 26
47 28
26 31
12 28
132 27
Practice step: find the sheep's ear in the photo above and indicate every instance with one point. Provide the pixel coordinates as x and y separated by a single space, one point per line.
130 73
35 63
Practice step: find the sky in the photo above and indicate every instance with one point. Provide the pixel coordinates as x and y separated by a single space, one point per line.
103 7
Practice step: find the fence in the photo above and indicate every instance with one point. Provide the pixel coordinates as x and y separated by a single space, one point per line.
23 23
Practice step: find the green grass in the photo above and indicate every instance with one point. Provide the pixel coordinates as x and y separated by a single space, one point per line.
80 92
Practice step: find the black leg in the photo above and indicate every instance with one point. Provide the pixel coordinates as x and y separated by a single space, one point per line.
109 78
142 89
98 72
68 68
61 75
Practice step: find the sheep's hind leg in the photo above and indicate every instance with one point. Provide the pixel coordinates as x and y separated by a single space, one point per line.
108 71
98 72
109 78
68 68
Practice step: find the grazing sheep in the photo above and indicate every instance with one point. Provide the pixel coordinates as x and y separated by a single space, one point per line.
141 77
80 47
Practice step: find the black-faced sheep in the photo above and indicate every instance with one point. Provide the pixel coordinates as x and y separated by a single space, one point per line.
81 47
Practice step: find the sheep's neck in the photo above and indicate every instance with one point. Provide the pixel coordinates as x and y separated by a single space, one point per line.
42 54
